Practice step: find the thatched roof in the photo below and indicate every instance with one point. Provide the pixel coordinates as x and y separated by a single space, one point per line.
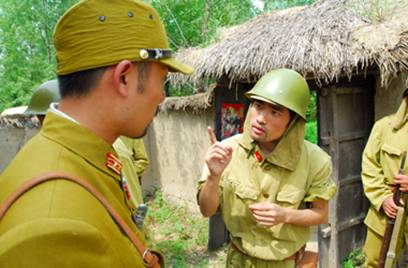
194 103
323 41
19 121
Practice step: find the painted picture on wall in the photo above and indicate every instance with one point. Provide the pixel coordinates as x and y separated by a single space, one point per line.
232 119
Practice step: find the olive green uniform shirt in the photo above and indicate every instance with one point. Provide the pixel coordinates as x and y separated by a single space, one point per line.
133 154
295 173
58 223
380 163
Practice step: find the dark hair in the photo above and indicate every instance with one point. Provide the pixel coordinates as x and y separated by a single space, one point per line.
80 83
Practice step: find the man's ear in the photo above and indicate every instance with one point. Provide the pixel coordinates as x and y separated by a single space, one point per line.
120 73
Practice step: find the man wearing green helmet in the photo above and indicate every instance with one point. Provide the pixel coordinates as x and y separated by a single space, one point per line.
381 161
43 96
269 184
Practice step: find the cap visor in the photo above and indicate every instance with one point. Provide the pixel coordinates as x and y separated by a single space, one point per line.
177 66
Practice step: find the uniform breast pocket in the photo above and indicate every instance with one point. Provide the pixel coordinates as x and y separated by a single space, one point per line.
290 198
237 197
245 192
390 158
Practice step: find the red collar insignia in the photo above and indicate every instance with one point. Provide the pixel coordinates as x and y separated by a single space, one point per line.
113 163
258 156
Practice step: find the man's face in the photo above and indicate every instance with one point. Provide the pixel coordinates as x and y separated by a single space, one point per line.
145 104
268 122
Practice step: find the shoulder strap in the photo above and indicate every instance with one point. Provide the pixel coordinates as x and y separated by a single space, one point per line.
149 259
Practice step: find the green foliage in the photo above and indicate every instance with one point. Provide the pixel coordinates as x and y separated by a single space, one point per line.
354 260
180 235
195 22
311 108
311 131
277 4
181 90
311 125
26 52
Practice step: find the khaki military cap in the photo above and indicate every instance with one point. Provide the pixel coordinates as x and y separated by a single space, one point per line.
99 33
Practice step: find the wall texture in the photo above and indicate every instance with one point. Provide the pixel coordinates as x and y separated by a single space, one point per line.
14 133
387 100
176 143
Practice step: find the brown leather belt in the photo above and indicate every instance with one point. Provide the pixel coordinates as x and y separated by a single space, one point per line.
297 256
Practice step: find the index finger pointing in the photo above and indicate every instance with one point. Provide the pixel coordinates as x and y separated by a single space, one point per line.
213 139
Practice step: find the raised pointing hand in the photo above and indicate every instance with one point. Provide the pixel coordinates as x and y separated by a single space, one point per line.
218 156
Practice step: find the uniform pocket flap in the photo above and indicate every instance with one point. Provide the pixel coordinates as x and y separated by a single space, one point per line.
391 150
246 192
292 197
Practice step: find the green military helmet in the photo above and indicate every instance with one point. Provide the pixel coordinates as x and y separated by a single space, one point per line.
43 96
285 87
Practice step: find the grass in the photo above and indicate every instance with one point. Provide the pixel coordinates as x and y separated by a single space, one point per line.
354 260
180 235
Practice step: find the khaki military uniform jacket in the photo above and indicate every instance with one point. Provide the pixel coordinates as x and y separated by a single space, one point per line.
380 163
132 153
295 173
58 223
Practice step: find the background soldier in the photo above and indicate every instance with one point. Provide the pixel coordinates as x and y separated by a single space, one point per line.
113 57
263 179
133 155
381 161
43 96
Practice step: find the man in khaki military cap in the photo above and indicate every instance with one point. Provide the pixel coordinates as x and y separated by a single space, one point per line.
269 184
381 161
113 57
131 152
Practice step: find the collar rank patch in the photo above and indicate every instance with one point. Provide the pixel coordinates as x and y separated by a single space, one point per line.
258 156
113 163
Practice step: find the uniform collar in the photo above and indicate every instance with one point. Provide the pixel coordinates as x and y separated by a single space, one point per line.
80 140
55 110
288 150
401 116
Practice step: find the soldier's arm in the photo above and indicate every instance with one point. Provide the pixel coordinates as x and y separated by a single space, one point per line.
316 214
208 197
270 214
217 159
141 161
372 174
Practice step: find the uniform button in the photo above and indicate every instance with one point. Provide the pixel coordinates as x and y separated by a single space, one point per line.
266 195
